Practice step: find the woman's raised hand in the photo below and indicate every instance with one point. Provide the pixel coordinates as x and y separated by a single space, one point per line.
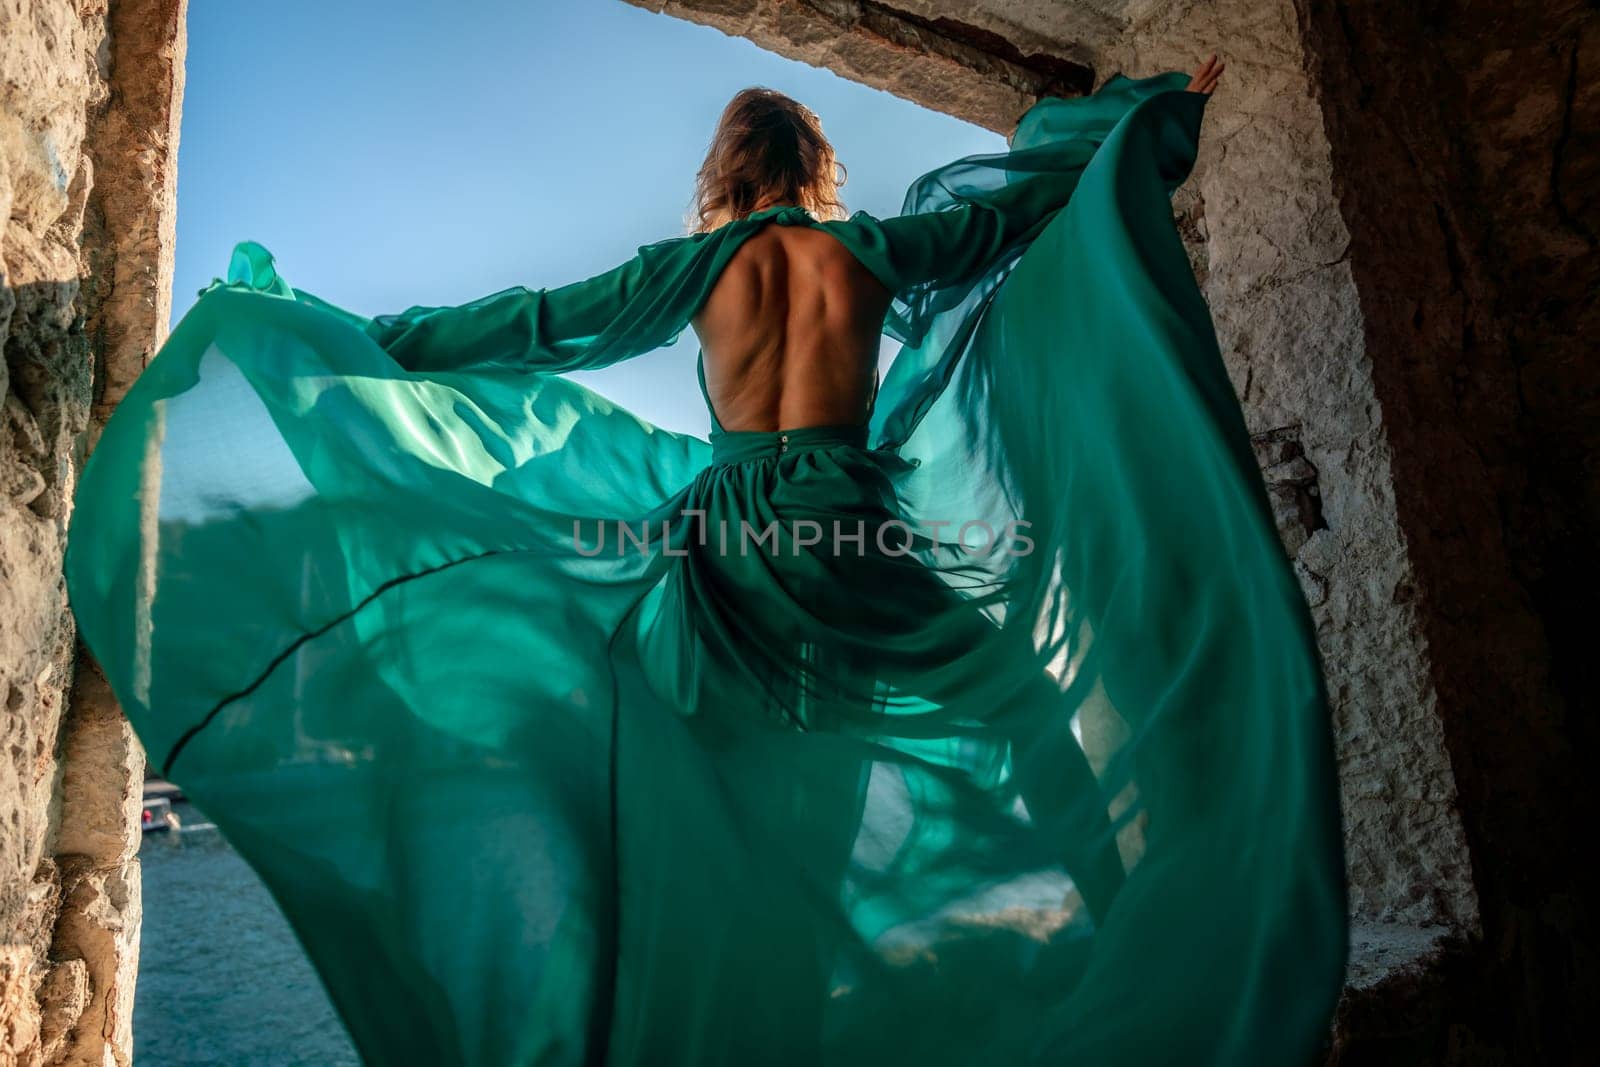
1205 79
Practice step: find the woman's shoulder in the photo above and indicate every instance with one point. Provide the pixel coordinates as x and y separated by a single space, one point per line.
727 237
855 218
856 223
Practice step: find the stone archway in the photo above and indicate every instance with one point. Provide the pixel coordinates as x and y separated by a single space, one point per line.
1394 224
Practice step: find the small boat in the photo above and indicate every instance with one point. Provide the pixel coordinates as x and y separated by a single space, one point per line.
157 787
158 816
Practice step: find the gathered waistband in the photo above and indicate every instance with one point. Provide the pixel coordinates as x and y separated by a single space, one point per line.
740 446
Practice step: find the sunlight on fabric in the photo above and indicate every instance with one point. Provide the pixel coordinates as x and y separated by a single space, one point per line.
1036 903
221 453
1030 904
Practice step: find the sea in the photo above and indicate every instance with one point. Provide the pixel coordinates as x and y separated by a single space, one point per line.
222 978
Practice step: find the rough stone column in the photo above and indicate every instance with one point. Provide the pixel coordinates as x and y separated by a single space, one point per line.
1278 277
89 101
920 51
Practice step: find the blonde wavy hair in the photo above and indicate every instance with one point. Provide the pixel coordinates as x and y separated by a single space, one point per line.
768 149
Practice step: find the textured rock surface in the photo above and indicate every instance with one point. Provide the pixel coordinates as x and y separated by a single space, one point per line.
50 80
921 51
88 110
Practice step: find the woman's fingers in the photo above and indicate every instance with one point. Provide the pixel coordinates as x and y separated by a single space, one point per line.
1205 79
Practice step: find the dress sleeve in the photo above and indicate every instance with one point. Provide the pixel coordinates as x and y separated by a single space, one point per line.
965 226
958 222
958 243
582 326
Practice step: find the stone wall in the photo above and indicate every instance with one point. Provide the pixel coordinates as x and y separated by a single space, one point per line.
1466 146
949 64
1277 275
88 140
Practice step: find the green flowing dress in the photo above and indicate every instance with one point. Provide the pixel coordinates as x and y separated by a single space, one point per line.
989 732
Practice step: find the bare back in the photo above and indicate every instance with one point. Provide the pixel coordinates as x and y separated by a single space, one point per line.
790 333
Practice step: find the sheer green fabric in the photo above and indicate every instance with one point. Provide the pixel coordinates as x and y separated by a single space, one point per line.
1004 742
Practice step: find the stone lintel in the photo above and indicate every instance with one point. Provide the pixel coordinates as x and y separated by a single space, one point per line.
944 64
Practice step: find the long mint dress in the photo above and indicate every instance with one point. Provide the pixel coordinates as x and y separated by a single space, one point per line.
989 732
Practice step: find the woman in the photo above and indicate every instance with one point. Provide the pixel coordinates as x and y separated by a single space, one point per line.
975 718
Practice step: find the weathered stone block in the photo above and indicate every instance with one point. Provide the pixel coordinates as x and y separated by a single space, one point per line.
89 96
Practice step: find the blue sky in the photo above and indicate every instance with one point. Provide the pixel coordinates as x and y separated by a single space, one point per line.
427 152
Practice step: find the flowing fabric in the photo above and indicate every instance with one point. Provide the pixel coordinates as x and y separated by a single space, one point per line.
990 732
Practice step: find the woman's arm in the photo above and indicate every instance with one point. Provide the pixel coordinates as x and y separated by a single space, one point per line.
588 324
961 218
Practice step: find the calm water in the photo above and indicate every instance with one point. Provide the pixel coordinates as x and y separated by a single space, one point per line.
222 979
